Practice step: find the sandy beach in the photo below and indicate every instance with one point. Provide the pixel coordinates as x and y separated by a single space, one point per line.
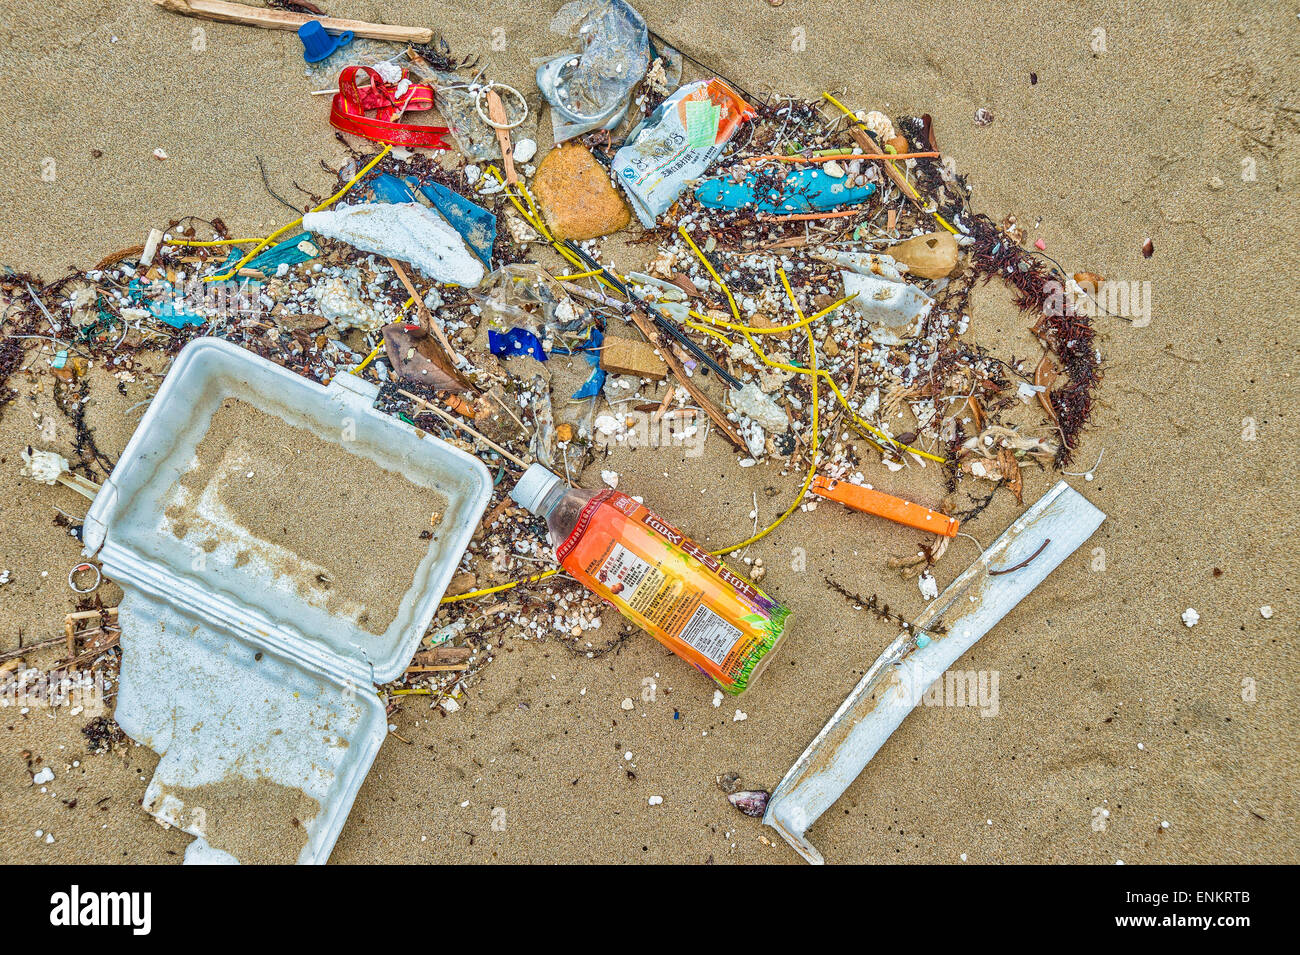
1120 733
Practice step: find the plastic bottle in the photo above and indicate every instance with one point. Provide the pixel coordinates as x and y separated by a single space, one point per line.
658 578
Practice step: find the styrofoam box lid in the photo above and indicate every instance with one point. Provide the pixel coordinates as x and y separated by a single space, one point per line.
127 526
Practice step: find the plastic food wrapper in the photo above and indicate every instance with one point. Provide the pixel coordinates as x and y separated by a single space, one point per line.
589 90
658 161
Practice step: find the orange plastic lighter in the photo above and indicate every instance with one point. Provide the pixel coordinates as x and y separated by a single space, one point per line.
871 501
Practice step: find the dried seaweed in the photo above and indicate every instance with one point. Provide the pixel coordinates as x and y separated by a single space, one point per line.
1067 334
879 608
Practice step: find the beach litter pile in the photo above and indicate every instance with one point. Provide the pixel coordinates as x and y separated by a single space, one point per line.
673 260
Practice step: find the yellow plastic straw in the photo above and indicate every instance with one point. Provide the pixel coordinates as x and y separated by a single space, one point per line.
747 331
374 352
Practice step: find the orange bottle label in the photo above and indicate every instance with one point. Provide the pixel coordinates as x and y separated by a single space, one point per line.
671 587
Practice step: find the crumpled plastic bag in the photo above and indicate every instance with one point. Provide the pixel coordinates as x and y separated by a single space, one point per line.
590 89
892 306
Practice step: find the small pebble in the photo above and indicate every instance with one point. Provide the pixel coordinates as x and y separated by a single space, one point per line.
525 149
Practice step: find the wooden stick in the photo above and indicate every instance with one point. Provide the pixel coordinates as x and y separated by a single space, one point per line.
20 651
70 625
93 652
442 655
457 423
869 147
497 113
284 20
655 337
424 312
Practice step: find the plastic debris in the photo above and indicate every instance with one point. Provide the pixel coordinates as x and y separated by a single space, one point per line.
317 44
517 341
476 225
406 231
892 306
291 251
653 168
658 578
895 684
589 90
788 192
870 501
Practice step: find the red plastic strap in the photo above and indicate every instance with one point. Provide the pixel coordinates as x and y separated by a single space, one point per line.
352 102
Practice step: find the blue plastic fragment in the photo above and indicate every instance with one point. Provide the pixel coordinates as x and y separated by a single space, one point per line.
165 302
517 341
387 188
592 386
591 350
476 225
801 190
60 359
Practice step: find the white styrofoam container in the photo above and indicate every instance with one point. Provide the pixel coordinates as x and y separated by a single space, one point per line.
227 671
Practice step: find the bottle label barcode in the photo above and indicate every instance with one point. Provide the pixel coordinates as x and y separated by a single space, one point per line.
710 634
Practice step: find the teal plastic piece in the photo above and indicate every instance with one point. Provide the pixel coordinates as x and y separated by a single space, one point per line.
799 190
287 251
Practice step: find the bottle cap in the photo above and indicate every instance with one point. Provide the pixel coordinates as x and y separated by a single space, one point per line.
532 488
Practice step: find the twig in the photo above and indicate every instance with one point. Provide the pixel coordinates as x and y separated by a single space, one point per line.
283 20
1024 563
20 651
424 312
457 423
